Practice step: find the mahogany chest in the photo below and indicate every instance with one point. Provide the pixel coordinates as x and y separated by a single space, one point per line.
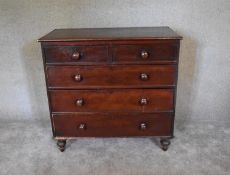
111 82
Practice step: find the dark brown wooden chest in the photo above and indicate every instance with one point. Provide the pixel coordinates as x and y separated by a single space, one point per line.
111 82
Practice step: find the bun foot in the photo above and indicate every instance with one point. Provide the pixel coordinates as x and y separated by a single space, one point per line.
61 145
165 144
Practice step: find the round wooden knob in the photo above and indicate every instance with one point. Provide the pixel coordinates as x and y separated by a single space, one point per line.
82 126
80 102
144 54
76 55
78 77
143 126
143 101
144 77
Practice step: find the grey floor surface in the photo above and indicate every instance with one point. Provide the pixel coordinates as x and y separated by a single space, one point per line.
27 148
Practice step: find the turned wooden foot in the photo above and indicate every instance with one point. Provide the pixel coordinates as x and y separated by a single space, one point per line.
61 145
164 144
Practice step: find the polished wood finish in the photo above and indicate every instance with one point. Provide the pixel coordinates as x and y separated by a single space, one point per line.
112 125
105 34
111 82
146 53
120 76
76 54
111 100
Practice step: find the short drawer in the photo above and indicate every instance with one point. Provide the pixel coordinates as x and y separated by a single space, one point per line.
112 125
134 100
76 54
132 76
146 53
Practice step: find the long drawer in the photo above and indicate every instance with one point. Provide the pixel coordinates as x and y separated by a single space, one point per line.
81 77
112 125
134 100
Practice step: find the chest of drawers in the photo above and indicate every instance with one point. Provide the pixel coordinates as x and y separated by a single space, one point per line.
111 82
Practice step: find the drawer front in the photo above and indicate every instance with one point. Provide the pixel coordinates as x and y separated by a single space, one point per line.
111 76
76 54
146 53
139 100
112 125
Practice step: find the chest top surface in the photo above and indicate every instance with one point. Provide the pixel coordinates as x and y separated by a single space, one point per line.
108 34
